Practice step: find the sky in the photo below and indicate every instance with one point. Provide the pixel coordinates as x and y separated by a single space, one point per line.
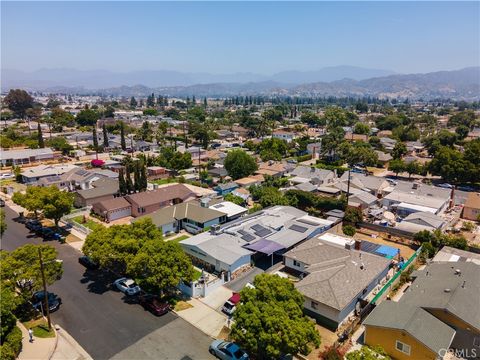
228 37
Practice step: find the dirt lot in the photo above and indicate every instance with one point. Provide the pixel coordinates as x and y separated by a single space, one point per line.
328 338
365 234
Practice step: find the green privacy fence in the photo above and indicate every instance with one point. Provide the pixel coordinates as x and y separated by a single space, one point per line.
394 277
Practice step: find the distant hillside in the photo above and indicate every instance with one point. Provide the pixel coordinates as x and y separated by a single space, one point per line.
461 84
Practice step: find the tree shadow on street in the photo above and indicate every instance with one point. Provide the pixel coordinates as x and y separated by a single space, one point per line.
98 281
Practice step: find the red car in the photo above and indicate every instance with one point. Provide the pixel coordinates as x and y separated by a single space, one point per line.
153 304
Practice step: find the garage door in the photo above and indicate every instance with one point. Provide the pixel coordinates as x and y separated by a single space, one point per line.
118 214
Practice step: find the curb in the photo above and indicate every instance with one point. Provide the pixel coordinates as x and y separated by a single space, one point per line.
56 342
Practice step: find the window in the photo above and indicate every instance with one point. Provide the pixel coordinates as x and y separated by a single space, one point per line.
296 263
314 305
404 348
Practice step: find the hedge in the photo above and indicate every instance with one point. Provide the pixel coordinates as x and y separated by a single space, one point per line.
12 345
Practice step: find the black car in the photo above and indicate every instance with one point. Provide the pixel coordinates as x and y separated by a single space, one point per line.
38 301
33 225
88 263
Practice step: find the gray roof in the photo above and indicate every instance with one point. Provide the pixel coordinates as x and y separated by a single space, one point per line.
449 254
226 186
335 277
24 153
101 187
428 290
308 172
418 322
426 200
365 181
188 210
363 197
425 218
306 187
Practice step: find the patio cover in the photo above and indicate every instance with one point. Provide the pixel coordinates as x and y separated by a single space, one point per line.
264 246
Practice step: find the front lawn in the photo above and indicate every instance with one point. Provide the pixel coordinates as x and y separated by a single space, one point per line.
88 224
180 238
39 328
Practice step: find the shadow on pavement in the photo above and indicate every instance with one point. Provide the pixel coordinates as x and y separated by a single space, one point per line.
98 281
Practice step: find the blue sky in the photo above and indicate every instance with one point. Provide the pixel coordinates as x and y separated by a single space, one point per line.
225 37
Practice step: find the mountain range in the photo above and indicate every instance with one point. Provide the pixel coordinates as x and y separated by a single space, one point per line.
339 81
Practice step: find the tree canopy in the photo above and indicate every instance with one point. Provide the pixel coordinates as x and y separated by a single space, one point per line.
18 101
269 321
239 164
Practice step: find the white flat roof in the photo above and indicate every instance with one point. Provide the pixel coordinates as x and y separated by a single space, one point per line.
419 208
229 208
336 239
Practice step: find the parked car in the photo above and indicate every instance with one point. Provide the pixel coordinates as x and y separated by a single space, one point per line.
7 176
127 286
38 301
227 350
49 233
231 304
445 186
2 203
33 225
88 262
153 304
466 188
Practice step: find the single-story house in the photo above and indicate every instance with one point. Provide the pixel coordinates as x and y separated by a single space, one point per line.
450 255
362 200
275 169
249 181
471 209
224 189
421 220
33 174
113 209
233 211
25 156
373 184
284 135
188 215
383 157
439 311
335 280
157 172
302 174
147 202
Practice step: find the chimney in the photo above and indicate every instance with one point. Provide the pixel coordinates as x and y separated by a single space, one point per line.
358 244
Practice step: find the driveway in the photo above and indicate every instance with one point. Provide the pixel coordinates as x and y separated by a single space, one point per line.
104 322
240 282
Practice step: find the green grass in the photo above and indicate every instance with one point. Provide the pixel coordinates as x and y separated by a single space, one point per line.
88 224
180 238
40 328
164 181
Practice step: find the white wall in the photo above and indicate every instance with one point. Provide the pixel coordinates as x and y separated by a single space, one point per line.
289 263
322 309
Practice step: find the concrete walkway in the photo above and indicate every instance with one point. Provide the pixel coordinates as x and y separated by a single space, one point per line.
204 318
217 298
38 349
67 347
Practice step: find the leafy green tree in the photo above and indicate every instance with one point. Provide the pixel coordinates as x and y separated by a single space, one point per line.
87 117
349 230
353 216
451 165
160 265
311 119
361 128
462 131
466 118
397 166
239 164
413 167
32 200
24 264
133 103
268 196
234 199
18 101
367 353
269 322
399 150
60 118
41 142
150 112
105 136
60 144
128 181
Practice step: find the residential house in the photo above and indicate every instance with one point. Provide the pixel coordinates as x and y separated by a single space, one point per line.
102 189
373 184
284 135
335 280
25 156
471 209
451 255
388 143
226 188
271 168
76 179
306 174
248 181
147 202
188 215
113 209
157 172
356 137
362 200
421 220
33 174
438 311
383 157
232 211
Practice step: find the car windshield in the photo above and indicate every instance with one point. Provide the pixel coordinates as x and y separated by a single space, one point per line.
239 354
228 305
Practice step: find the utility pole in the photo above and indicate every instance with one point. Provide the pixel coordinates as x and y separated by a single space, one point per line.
45 293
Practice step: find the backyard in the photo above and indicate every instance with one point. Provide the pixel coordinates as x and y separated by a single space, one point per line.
85 221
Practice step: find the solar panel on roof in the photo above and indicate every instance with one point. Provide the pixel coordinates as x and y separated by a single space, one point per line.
218 206
307 222
257 227
82 172
298 228
247 237
263 232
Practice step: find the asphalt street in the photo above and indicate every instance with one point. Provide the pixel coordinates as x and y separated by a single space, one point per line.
102 320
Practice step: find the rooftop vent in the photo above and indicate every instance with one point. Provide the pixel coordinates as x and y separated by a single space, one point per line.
447 290
458 272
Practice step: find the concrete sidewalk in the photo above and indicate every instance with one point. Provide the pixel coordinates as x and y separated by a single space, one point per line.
38 349
67 347
217 298
204 318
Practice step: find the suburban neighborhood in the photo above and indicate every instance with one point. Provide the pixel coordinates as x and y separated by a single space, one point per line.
301 215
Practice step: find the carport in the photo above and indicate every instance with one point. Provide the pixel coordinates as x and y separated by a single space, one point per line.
265 247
